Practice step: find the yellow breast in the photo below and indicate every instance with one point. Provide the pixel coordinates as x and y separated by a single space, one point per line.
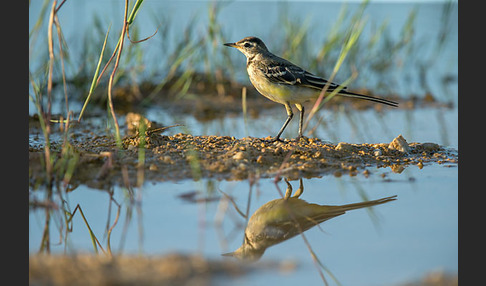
281 93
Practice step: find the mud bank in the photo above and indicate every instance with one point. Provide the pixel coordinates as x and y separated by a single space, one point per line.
170 269
100 163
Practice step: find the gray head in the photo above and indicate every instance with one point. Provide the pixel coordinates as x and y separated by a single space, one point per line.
249 46
246 253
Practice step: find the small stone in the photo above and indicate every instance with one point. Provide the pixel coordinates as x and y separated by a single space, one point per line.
153 167
167 159
397 169
366 173
239 155
399 144
346 147
377 152
133 121
259 159
242 167
430 147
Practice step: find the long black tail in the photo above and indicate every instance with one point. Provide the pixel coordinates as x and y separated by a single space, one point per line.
367 203
368 97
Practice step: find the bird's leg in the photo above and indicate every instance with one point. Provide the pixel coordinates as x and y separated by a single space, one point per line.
300 190
288 192
300 107
290 114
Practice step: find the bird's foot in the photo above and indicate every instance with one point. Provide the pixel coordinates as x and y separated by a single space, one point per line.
274 139
302 138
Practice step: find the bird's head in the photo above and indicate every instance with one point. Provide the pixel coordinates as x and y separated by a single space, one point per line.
246 253
249 46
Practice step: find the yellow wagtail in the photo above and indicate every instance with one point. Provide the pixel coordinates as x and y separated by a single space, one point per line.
281 81
282 219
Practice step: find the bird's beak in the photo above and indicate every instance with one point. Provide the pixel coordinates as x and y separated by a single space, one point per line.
231 45
229 254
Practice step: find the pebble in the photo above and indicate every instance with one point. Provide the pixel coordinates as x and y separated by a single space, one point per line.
153 167
377 152
346 147
239 155
399 144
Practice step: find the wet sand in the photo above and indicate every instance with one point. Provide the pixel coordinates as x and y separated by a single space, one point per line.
181 156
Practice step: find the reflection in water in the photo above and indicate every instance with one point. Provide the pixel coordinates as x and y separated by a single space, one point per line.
281 219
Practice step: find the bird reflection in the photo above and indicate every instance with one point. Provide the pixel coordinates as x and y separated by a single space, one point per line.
282 219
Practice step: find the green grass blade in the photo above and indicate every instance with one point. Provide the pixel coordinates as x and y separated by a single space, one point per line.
95 76
134 12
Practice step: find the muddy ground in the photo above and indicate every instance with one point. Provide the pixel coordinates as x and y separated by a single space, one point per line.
100 163
170 269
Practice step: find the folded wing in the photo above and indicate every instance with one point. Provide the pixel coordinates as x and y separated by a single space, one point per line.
291 74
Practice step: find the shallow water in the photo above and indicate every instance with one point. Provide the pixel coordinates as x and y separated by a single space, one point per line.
405 238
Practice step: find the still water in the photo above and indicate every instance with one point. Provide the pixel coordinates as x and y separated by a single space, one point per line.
392 243
399 240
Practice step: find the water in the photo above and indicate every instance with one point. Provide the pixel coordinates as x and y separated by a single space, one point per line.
396 242
402 239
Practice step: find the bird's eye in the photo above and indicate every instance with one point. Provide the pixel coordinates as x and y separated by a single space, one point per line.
247 45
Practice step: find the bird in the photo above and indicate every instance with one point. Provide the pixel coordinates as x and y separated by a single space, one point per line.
284 218
286 83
